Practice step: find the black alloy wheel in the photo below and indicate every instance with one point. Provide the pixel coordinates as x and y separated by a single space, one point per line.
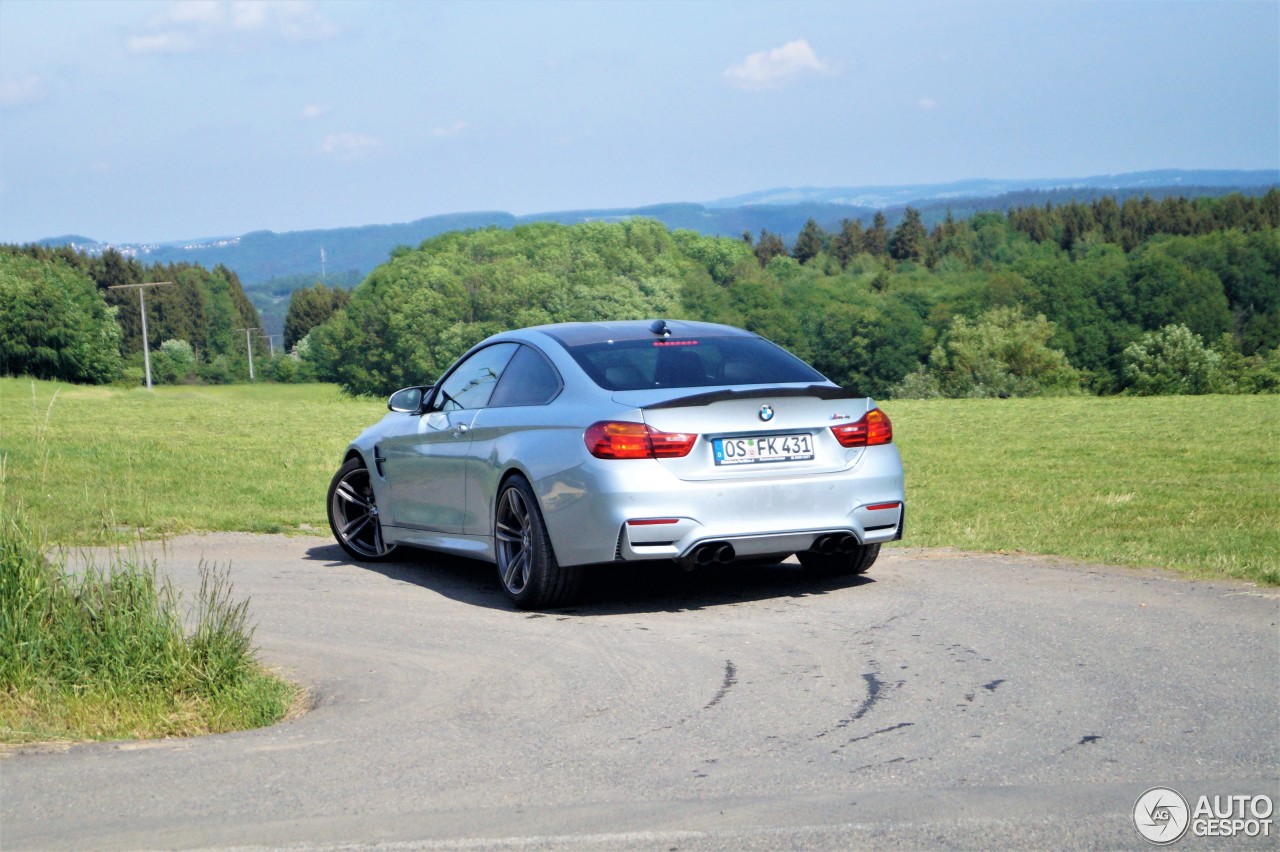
527 566
353 514
836 564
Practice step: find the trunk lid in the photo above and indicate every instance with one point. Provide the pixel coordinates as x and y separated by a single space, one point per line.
753 432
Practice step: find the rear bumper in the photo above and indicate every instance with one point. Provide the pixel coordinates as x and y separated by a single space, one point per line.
587 510
749 545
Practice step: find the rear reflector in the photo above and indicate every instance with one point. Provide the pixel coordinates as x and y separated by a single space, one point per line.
873 429
652 522
627 440
875 507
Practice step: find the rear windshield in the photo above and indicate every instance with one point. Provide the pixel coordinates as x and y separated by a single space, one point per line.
703 362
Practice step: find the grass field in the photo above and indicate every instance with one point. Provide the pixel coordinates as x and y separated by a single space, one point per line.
1187 483
94 465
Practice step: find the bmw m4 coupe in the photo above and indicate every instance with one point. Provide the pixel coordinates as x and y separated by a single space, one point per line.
548 449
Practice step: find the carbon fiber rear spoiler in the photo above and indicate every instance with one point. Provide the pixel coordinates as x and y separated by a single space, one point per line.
819 391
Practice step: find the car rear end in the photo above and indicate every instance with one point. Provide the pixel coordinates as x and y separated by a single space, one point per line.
710 467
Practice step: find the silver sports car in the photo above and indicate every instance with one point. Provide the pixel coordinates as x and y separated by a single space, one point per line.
548 449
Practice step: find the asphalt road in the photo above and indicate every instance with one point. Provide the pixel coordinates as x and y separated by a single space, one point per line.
945 700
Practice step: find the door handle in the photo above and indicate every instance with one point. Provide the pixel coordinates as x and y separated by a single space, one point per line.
460 430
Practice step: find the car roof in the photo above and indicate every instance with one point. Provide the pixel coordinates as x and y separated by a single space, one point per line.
585 333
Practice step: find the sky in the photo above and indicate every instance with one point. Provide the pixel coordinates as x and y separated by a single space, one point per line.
159 121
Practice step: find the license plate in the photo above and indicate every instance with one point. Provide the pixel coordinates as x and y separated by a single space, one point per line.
768 448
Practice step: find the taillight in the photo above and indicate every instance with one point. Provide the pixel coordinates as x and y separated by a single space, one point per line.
874 428
623 440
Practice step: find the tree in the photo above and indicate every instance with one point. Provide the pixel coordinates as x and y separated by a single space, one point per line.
768 247
54 324
876 238
308 307
203 307
722 258
869 344
1164 289
174 362
1173 360
910 239
1004 354
414 314
809 243
248 313
848 242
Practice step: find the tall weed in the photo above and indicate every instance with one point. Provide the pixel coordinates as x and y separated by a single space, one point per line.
105 653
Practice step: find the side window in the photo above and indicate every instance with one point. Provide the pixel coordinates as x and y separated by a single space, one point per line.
528 380
472 383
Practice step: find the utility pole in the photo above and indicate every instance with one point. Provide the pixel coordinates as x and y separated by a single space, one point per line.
142 310
271 341
248 342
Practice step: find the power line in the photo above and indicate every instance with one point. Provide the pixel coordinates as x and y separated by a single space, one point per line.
248 342
142 309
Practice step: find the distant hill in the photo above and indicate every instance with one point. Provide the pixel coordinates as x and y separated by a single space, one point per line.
900 196
261 255
271 265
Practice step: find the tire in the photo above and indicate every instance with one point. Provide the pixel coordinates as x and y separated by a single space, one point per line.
527 567
353 514
840 564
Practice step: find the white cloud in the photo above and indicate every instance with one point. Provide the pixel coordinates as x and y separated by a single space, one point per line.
349 146
298 20
249 16
927 104
771 69
191 24
313 111
452 130
194 12
168 42
29 90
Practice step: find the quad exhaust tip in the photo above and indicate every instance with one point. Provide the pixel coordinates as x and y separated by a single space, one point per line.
722 553
835 543
712 553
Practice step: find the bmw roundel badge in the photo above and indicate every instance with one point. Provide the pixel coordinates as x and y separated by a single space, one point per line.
766 413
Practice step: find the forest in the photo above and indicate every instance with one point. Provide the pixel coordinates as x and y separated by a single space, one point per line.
60 319
1098 297
1139 296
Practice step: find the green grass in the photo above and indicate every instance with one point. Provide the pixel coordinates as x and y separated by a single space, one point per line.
1187 483
104 654
94 465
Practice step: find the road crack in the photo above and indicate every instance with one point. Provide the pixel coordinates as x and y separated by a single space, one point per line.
730 678
896 727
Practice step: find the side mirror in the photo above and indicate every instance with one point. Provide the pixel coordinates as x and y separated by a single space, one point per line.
406 401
